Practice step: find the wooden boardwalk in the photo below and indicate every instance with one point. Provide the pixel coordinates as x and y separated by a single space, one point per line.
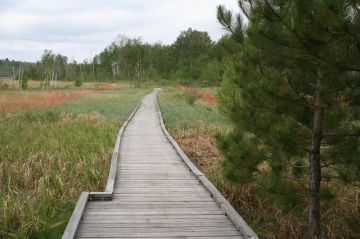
156 194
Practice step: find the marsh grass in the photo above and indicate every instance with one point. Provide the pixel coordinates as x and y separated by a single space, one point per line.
194 128
49 156
178 113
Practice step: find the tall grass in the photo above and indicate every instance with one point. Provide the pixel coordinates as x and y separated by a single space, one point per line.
49 156
194 128
181 113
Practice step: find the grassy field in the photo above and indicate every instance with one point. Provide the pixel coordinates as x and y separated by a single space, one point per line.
7 84
49 156
193 124
15 100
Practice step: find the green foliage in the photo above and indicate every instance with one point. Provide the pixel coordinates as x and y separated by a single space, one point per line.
292 91
189 48
212 73
78 82
24 81
9 67
192 59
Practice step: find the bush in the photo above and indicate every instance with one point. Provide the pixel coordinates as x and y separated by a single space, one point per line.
4 85
24 82
78 82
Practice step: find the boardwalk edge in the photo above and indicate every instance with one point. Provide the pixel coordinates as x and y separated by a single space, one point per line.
72 226
233 215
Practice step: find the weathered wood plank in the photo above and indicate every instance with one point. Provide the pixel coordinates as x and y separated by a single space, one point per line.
120 230
175 226
189 237
155 220
136 234
76 216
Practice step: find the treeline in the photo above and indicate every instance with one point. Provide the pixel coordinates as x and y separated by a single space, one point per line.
192 59
9 68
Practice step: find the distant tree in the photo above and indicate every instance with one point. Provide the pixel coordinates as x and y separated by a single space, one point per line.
293 93
33 71
189 47
24 81
60 66
78 81
211 74
54 68
48 63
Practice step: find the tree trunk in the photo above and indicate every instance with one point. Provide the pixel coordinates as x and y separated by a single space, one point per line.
19 78
14 76
315 171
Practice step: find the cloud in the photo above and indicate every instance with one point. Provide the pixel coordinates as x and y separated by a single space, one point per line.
83 28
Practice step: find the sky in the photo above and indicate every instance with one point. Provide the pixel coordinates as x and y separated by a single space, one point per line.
81 29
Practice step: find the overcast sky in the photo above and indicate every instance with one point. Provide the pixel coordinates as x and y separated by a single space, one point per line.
80 29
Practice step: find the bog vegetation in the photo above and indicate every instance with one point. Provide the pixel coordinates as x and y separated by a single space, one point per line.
287 130
195 127
49 156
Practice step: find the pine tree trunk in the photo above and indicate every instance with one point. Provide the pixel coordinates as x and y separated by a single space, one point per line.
315 172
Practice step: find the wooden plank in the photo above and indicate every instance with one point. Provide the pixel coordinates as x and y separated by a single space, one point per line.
140 220
174 226
136 234
76 216
154 211
129 217
189 237
165 203
154 206
121 230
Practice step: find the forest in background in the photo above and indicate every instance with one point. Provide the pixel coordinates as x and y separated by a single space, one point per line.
193 59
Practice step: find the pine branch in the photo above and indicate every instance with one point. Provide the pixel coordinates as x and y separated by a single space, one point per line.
352 134
302 42
333 163
301 125
225 18
280 193
356 115
242 7
301 97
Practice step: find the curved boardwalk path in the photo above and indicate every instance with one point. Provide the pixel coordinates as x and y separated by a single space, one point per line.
155 194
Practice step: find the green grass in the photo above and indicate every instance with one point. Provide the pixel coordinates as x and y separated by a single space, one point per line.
49 156
179 114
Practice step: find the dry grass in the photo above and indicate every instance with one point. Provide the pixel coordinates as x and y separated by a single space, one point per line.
31 101
24 101
12 84
206 96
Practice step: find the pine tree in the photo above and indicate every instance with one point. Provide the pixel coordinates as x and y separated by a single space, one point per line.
293 94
